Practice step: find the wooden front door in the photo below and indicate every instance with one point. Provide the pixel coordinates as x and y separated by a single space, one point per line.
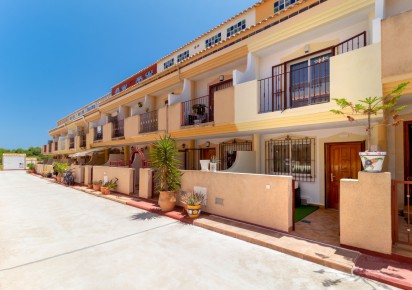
342 161
207 153
407 148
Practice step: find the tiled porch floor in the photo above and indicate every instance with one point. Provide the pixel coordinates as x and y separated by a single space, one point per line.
323 227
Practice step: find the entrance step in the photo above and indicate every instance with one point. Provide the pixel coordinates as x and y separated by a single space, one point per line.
323 254
402 250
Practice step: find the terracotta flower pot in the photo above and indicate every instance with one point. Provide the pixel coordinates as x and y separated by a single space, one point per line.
167 200
90 186
96 187
103 189
107 191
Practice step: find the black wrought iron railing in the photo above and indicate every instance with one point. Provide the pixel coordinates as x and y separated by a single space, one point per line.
355 42
196 111
83 140
71 143
148 122
297 87
118 129
304 81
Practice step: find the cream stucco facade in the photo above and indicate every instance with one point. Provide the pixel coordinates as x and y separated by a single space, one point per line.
274 79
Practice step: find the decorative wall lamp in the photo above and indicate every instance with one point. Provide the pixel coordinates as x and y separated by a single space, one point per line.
221 78
207 144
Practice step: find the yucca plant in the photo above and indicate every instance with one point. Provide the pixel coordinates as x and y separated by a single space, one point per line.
193 198
163 160
372 106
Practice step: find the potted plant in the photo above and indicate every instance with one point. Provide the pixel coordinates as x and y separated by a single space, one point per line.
213 163
167 174
90 185
60 168
96 185
103 187
199 109
111 185
30 166
372 161
193 203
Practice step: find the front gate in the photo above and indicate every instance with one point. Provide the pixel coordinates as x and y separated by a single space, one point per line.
401 212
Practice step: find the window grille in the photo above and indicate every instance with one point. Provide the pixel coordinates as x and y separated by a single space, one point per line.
295 157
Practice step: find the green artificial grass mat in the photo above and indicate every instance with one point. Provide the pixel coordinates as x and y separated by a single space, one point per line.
303 211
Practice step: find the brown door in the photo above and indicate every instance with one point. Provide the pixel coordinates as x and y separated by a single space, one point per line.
207 153
342 161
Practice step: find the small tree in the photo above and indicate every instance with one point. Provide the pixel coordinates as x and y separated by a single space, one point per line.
164 161
372 106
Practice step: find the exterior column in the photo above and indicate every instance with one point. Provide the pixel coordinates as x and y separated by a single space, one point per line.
126 152
376 22
256 148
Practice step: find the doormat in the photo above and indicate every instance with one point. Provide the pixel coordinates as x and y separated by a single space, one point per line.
303 211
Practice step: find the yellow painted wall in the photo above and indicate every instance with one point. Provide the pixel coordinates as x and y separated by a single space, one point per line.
224 106
107 132
125 176
245 196
396 45
246 101
325 13
365 212
162 119
131 126
357 74
88 174
175 112
78 173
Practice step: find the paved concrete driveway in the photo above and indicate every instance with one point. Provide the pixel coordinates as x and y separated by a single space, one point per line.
54 237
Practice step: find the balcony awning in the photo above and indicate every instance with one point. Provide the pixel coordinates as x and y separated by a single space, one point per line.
86 152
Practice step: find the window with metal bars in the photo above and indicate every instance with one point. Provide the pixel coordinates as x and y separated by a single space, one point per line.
295 157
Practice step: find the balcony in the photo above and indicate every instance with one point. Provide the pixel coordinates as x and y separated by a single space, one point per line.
82 140
303 85
303 81
197 111
98 133
71 143
118 129
148 122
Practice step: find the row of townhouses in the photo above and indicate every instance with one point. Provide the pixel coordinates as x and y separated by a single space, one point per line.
256 92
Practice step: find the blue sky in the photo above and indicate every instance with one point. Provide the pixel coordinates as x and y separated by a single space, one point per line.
57 56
